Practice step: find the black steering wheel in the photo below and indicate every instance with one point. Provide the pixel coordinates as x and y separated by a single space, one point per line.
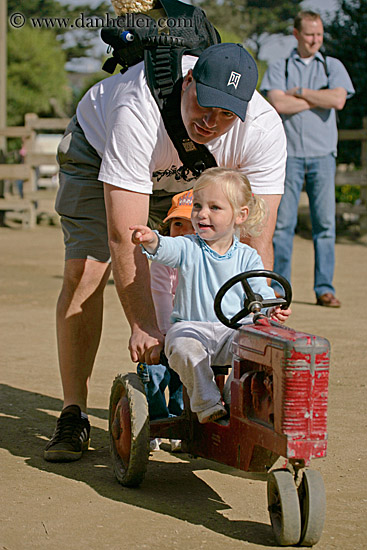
253 303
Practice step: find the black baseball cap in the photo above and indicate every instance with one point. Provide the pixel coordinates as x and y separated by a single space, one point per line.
226 77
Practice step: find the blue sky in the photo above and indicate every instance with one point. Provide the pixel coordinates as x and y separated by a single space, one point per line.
320 5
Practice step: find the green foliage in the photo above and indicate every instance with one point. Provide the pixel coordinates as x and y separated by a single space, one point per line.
75 42
229 36
36 74
347 193
346 39
252 20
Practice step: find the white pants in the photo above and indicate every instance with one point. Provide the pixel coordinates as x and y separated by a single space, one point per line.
191 348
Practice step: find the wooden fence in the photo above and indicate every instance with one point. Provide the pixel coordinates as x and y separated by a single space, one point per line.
32 160
355 177
28 208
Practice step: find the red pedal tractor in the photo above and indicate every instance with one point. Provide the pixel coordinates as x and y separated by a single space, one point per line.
278 409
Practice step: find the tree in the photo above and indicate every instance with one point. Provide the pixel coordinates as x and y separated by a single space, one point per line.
346 39
252 20
76 42
36 74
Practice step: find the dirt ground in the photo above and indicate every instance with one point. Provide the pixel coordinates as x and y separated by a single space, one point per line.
183 502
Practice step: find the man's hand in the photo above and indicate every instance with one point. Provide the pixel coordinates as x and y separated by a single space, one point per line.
145 236
292 91
145 347
298 93
288 103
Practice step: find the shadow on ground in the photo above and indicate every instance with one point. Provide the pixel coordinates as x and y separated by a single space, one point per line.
170 488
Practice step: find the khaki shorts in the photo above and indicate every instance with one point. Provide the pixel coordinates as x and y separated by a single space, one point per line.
80 199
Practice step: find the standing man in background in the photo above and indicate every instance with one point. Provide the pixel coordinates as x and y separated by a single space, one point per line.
306 89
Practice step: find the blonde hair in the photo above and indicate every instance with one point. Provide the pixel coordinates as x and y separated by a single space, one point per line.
237 190
122 7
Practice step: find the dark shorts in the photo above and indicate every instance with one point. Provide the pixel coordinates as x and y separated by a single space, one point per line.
80 199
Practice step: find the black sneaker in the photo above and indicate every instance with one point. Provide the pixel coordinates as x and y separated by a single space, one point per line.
71 437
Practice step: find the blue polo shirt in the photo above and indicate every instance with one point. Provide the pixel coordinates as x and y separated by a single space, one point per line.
311 133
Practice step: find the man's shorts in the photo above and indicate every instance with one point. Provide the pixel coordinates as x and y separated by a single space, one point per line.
80 199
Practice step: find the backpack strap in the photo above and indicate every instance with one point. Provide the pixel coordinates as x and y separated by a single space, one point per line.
324 62
286 71
164 78
326 69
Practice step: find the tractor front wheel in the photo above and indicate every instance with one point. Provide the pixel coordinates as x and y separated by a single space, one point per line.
312 499
283 506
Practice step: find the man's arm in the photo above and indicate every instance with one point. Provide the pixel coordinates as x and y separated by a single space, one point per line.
286 104
296 100
131 271
264 242
325 99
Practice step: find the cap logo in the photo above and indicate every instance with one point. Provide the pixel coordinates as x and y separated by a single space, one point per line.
234 79
186 198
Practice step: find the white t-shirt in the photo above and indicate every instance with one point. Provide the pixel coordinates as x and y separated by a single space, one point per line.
122 122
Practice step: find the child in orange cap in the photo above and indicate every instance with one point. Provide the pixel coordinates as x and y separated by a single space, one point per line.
164 281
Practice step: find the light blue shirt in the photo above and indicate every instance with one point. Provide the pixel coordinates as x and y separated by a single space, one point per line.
311 133
201 273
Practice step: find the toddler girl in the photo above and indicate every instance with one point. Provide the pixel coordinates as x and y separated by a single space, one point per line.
223 205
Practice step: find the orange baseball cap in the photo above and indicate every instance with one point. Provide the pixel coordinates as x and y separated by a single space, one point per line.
181 206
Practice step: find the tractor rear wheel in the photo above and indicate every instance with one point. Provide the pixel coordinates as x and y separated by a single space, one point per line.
129 429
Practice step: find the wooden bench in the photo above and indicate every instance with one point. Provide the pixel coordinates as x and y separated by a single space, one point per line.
25 210
354 178
346 213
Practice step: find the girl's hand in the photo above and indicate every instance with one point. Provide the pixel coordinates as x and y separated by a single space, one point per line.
145 236
141 233
279 314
